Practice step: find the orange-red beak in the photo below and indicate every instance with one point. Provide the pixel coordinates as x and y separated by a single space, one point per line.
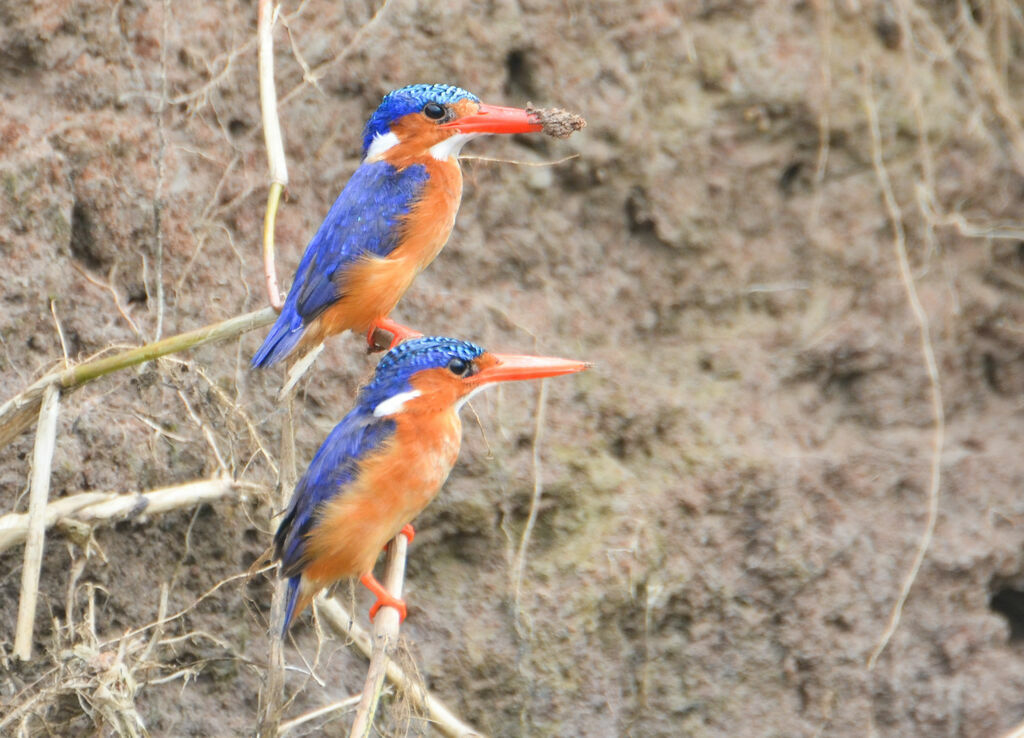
495 119
510 367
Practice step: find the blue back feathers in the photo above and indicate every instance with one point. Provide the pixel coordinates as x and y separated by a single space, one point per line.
411 99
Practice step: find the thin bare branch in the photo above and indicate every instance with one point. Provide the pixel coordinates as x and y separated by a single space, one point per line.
931 366
319 712
538 488
342 623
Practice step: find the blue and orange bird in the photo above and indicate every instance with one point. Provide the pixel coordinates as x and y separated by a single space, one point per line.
386 461
391 220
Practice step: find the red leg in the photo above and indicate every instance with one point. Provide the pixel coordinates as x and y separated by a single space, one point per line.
384 598
408 531
397 331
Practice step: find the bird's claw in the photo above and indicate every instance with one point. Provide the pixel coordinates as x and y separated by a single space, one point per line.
384 598
384 334
408 531
399 605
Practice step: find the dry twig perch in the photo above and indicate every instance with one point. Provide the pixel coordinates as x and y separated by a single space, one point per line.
385 636
342 623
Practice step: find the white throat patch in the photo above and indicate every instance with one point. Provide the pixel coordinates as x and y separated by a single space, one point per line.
465 398
451 146
395 404
380 143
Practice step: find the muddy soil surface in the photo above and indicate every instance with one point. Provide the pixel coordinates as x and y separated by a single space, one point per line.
731 500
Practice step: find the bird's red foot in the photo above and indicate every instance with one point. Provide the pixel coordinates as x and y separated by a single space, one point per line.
408 531
384 598
385 334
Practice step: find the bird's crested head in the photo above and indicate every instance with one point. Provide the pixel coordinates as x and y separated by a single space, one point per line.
436 119
433 374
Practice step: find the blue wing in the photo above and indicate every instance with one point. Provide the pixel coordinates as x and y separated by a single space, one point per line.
333 467
363 220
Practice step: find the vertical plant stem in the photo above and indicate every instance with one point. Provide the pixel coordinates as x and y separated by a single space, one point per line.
538 489
273 694
385 636
343 624
275 147
931 368
42 459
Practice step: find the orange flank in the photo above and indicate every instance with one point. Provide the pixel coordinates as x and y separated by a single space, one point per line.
372 287
391 488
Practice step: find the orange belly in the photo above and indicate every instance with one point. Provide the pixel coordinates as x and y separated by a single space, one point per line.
372 287
392 488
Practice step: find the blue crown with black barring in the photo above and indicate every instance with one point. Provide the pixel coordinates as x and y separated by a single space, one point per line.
408 358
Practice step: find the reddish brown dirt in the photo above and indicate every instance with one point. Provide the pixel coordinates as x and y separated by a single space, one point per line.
731 498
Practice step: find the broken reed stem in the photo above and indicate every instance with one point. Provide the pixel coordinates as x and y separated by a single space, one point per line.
931 366
343 624
42 459
275 147
99 507
16 414
319 712
385 636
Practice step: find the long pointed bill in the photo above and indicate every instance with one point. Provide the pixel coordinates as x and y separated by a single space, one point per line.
495 119
510 367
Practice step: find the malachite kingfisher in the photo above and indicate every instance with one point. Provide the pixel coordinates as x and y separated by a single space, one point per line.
385 461
391 220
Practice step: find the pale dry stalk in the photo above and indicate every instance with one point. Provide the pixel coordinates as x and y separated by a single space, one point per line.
931 367
274 143
272 697
343 624
385 636
39 492
538 489
98 507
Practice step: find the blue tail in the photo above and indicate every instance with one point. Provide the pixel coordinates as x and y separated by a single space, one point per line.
293 597
283 337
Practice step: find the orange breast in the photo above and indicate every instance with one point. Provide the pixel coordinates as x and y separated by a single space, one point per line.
392 488
372 287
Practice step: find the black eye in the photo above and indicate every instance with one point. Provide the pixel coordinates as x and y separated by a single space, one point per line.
458 367
434 111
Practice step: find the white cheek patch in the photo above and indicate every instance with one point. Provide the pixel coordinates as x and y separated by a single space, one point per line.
395 404
381 143
451 146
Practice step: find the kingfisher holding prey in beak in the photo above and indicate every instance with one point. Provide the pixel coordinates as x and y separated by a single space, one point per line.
386 461
391 220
